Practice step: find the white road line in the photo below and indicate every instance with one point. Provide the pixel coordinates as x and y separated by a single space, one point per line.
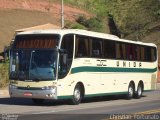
47 112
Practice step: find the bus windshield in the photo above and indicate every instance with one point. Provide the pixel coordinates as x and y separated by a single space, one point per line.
34 57
33 65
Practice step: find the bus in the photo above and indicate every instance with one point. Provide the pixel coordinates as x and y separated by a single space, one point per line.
75 64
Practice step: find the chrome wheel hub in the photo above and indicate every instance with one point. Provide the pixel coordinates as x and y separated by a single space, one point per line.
139 91
130 91
77 94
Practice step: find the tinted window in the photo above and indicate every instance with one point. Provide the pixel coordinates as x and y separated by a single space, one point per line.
120 50
82 46
153 54
109 49
131 51
100 48
96 47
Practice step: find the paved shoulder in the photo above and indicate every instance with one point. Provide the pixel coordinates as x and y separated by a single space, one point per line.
4 92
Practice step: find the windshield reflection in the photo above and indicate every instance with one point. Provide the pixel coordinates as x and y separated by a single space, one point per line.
34 65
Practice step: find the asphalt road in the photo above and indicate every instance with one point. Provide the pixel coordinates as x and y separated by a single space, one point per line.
101 108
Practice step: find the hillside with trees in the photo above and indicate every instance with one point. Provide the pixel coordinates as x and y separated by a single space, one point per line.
134 19
137 20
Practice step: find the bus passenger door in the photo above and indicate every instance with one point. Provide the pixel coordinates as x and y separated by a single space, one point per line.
65 62
66 56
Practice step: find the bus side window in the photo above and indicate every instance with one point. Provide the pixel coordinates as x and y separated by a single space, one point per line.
138 53
131 52
96 47
109 49
82 46
153 54
120 51
148 54
142 54
67 44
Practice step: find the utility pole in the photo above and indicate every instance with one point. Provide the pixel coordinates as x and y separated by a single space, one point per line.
62 15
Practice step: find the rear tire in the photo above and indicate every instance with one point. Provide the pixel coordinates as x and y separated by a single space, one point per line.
130 93
37 101
139 91
77 95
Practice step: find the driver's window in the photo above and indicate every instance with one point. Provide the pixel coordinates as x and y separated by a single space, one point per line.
66 56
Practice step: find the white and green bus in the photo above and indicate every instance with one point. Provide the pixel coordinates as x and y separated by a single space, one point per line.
74 64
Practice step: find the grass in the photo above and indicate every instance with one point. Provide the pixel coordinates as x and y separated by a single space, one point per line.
4 78
12 20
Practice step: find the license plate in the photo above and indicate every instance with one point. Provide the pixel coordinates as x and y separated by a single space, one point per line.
27 94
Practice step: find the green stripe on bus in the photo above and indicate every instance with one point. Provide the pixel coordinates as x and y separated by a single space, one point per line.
98 94
105 94
65 97
93 95
111 69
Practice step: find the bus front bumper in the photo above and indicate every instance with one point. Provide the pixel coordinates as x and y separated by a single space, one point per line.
39 94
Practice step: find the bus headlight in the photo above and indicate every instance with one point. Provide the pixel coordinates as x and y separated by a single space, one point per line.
12 86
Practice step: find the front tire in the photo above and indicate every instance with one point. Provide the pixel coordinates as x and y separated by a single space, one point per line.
77 95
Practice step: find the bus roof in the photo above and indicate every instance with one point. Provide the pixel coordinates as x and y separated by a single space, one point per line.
85 33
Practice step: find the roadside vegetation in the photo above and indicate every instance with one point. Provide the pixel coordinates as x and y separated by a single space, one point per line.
133 18
4 74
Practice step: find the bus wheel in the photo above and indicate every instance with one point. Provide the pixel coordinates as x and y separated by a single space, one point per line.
37 101
130 93
77 95
139 91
